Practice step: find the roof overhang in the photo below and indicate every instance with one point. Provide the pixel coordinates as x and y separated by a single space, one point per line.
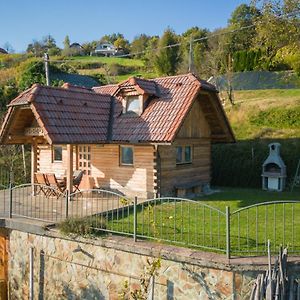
23 125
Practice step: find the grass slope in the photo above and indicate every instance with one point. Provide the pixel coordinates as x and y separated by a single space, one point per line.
115 69
249 105
109 60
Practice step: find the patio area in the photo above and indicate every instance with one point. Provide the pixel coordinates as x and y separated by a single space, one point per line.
50 205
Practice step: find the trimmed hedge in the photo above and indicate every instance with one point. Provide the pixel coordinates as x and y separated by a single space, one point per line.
240 164
246 60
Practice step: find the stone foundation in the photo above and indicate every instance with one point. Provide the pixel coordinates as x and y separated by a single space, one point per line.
67 268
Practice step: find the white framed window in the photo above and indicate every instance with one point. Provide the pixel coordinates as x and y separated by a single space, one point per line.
133 104
183 154
126 155
57 153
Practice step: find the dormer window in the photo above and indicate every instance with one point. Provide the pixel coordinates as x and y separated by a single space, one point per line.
133 104
135 92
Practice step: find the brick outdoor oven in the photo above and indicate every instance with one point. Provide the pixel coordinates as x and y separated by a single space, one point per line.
274 170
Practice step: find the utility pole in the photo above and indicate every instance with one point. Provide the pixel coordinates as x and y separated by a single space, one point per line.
191 55
46 60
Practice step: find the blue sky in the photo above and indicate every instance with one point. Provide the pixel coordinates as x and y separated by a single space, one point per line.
21 21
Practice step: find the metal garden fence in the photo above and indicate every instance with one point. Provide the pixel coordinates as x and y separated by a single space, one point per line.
178 221
251 227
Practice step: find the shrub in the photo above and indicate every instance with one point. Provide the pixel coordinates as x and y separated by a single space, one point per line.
277 117
246 60
117 69
81 226
79 65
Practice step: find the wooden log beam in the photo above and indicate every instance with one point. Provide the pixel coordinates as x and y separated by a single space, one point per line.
70 168
33 159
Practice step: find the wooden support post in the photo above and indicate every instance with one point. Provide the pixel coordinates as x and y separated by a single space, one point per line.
76 157
33 159
33 165
70 168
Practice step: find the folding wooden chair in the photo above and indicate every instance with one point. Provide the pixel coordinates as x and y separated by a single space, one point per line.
42 182
78 174
56 185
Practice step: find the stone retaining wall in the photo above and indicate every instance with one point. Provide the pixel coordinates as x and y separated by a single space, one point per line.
67 268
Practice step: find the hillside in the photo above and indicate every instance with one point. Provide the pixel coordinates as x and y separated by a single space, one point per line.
258 118
114 69
265 114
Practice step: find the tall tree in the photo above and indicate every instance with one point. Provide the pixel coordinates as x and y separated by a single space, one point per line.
198 49
89 47
244 16
47 44
67 50
121 43
111 38
277 27
218 61
50 45
139 44
168 58
36 48
66 42
151 51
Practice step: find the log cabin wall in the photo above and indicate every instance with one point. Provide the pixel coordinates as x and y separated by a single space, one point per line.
195 132
136 180
105 170
45 163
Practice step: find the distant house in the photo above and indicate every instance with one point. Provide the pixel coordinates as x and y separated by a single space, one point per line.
3 51
76 49
140 137
106 49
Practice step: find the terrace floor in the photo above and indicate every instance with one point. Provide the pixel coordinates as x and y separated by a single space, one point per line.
52 206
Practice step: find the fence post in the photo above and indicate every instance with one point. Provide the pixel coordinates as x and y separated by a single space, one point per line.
134 218
31 288
228 232
10 201
67 204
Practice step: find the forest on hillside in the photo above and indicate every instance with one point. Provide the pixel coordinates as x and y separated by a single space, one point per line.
264 35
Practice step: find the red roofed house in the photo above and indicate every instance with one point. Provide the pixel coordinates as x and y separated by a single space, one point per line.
140 137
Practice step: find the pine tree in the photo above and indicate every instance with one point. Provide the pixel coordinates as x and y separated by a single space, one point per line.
167 60
66 42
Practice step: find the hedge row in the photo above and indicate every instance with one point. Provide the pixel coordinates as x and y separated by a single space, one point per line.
240 164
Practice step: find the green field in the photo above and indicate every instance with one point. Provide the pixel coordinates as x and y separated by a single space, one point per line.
115 69
109 60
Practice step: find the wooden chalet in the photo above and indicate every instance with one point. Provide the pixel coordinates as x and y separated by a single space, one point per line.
140 137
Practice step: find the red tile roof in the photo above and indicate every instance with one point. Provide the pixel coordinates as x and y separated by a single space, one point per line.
79 115
164 114
70 114
109 89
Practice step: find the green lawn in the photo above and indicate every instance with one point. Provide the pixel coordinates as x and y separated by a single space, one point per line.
237 198
198 225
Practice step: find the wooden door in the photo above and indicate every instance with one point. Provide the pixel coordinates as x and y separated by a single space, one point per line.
84 158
